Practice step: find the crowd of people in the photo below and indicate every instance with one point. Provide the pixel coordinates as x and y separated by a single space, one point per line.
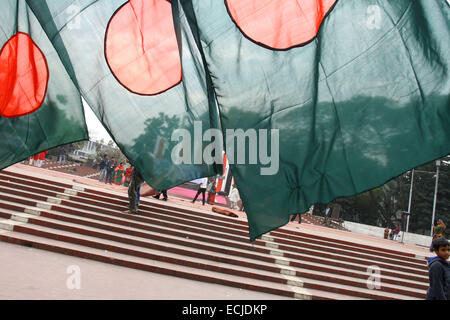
392 234
126 175
38 159
438 232
113 173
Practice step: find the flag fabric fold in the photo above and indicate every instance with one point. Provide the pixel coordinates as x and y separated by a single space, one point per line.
40 108
365 99
124 58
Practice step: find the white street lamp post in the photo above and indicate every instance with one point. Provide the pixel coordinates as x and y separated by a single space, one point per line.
438 164
410 200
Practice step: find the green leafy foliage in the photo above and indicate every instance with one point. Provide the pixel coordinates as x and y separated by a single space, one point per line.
383 206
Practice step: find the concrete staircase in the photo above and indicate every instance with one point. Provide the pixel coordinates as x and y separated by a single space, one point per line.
195 244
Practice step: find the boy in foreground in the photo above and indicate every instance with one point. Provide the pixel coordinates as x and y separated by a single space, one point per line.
439 271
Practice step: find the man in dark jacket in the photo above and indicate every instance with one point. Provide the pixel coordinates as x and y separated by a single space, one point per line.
110 171
103 168
62 155
439 271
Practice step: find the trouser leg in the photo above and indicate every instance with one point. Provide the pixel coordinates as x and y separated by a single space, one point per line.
138 198
196 196
109 178
133 191
102 175
203 196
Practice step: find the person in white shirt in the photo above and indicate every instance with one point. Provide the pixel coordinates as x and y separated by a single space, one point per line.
234 198
201 189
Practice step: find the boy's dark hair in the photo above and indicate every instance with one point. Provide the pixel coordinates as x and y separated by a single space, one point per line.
439 242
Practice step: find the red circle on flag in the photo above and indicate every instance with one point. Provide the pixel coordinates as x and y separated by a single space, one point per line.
141 47
23 76
279 24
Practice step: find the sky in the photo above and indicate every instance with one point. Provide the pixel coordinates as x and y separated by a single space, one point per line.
96 130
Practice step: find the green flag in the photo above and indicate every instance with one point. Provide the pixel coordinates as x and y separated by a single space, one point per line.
316 99
40 108
125 57
348 94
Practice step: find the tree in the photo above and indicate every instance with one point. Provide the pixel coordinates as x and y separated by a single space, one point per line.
380 206
423 196
110 152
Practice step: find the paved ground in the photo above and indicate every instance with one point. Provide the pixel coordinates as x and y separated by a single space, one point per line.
33 274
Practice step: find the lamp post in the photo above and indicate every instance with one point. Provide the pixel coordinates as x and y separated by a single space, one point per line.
408 213
438 164
410 200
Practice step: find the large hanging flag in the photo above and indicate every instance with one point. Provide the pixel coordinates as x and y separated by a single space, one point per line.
40 108
333 97
317 98
151 96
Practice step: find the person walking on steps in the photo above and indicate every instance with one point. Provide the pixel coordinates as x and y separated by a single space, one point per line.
163 192
133 191
201 189
299 217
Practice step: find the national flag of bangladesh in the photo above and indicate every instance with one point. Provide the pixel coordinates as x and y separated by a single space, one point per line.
126 59
357 91
333 97
40 108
